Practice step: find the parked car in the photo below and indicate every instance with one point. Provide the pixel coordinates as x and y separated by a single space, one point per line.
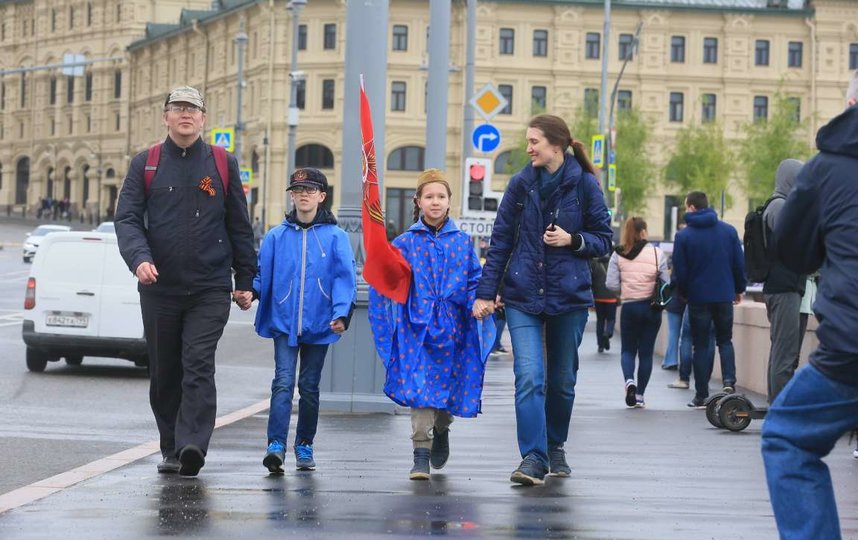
34 239
106 226
81 300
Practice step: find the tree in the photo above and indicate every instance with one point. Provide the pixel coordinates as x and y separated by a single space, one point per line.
767 143
701 161
636 173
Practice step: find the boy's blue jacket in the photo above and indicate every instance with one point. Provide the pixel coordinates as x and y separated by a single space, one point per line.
433 349
708 262
305 280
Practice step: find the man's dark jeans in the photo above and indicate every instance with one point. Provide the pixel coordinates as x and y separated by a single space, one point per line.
702 317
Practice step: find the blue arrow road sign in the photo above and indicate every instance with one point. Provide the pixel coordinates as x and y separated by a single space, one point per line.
486 138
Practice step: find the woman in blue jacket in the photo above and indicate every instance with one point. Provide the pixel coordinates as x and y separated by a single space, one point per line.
551 221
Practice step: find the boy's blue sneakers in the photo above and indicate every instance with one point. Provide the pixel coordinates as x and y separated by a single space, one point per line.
275 457
304 457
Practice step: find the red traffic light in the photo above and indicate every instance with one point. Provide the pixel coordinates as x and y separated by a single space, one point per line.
477 172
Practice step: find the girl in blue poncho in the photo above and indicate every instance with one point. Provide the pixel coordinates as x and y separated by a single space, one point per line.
432 347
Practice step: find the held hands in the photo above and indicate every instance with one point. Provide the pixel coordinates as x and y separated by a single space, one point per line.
338 326
555 236
483 308
243 299
738 299
146 273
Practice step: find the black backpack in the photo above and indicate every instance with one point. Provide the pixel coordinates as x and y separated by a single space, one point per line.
757 259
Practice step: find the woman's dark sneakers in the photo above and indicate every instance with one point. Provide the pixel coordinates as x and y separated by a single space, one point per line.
531 472
420 470
557 462
630 393
440 449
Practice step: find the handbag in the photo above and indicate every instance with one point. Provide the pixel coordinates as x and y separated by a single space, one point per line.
662 293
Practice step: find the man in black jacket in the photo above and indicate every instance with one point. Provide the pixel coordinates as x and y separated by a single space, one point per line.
817 228
182 236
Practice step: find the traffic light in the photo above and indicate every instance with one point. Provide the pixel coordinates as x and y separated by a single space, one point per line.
476 177
480 201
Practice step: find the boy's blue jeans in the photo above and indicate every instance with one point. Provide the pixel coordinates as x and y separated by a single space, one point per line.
805 421
685 349
544 390
283 386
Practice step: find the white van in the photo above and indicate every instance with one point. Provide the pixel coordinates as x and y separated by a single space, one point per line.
81 301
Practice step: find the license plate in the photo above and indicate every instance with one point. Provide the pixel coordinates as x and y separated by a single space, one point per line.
68 320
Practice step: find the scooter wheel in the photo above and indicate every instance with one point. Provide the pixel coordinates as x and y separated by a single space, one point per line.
712 402
734 412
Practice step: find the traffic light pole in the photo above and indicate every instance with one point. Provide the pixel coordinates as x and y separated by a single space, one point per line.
470 53
438 84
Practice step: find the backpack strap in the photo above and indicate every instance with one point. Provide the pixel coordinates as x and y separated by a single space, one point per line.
219 153
152 160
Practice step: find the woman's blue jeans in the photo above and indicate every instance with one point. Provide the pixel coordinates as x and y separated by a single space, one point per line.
544 376
283 386
639 325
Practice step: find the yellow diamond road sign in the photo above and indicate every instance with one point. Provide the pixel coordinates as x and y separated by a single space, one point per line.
488 101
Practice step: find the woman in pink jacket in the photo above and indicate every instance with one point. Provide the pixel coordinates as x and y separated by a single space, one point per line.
632 270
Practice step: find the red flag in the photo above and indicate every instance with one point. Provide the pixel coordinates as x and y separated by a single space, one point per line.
384 268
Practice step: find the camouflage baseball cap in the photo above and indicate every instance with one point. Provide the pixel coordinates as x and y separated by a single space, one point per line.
186 94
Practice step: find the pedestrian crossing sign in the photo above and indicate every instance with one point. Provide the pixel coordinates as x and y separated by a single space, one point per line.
224 137
597 155
246 176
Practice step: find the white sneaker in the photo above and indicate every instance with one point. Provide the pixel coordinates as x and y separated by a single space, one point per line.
855 453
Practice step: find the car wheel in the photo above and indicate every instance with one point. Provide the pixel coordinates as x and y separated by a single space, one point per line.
26 259
36 361
74 360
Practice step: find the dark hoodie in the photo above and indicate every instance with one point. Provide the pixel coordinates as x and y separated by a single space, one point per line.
781 279
818 228
708 262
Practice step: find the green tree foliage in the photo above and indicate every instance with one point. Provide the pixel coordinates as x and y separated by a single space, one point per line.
767 143
636 173
701 161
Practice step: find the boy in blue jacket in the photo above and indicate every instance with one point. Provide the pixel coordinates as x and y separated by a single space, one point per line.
306 289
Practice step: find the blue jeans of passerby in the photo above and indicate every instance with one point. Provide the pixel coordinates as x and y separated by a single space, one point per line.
702 318
639 325
674 331
283 386
685 348
805 421
500 324
544 389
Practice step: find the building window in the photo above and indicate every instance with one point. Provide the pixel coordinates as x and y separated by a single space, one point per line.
71 17
677 100
23 90
53 20
503 163
761 108
507 41
537 97
853 56
406 158
624 100
52 94
70 123
69 89
795 53
301 94
710 50
795 107
314 155
88 124
591 102
593 46
2 96
118 12
53 127
117 84
707 112
397 96
87 87
400 37
677 49
761 52
302 37
398 209
328 94
117 122
330 36
626 41
506 91
540 43
89 13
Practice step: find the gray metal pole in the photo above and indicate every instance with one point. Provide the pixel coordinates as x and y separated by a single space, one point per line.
439 77
354 377
241 45
295 6
603 93
470 53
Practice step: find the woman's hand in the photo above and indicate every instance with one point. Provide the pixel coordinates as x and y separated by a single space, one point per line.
557 237
483 308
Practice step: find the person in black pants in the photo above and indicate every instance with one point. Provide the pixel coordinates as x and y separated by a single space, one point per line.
195 233
605 301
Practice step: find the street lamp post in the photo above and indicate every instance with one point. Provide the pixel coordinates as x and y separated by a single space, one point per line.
294 6
241 45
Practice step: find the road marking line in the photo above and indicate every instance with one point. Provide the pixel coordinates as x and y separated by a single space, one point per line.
41 489
18 323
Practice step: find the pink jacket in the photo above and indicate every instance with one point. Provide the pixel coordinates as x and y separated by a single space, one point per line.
635 278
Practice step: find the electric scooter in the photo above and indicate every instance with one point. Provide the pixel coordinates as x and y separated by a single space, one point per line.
733 412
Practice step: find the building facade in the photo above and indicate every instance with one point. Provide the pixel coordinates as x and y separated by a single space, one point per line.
698 60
